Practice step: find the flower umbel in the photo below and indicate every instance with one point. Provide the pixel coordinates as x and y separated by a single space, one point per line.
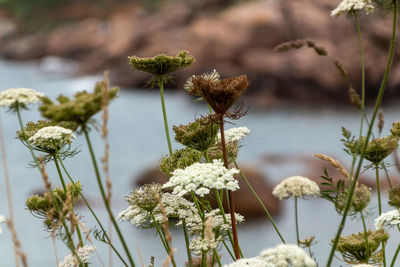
19 97
52 138
347 6
200 178
253 262
296 186
389 219
82 253
287 255
235 134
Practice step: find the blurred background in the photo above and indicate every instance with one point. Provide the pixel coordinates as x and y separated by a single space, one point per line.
297 102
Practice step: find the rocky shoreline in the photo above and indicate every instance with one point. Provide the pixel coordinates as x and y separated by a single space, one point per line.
238 39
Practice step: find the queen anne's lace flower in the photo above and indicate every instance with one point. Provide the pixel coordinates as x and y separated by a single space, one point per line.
52 137
19 96
174 206
2 220
235 134
212 76
199 244
200 178
83 254
363 265
347 6
296 186
287 255
253 262
390 218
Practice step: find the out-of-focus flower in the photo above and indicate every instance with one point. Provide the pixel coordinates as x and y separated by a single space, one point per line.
296 186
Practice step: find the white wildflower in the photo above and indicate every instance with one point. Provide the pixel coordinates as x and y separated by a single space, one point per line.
253 262
2 220
287 255
363 265
200 178
213 76
83 254
194 223
19 96
235 134
347 6
199 244
296 186
52 137
390 218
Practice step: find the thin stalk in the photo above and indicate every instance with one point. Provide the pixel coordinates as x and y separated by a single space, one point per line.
103 195
365 234
217 257
260 202
169 248
185 232
297 221
377 105
94 215
395 256
378 188
362 71
230 194
161 85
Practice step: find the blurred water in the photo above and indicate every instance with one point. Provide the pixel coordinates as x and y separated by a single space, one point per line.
137 141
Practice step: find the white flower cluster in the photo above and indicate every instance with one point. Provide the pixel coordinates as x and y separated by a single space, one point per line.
390 218
199 244
235 134
213 76
52 137
363 265
2 220
253 262
23 96
200 178
287 255
174 206
296 186
347 6
83 254
195 225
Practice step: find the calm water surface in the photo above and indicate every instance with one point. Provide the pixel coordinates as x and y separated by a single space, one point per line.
137 142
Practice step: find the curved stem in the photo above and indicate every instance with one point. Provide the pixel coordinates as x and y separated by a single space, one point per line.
185 232
103 195
260 202
377 105
297 221
94 214
161 85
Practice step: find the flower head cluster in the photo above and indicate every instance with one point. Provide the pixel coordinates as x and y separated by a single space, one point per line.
390 218
2 220
200 178
143 204
347 6
83 255
235 134
254 262
355 248
199 244
162 64
287 255
81 108
212 76
394 197
180 159
363 265
52 138
199 135
296 186
19 97
360 200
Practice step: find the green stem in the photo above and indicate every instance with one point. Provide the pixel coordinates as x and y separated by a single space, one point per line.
161 85
185 232
216 257
103 195
297 221
163 241
94 214
378 188
362 71
395 256
366 236
377 105
260 202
